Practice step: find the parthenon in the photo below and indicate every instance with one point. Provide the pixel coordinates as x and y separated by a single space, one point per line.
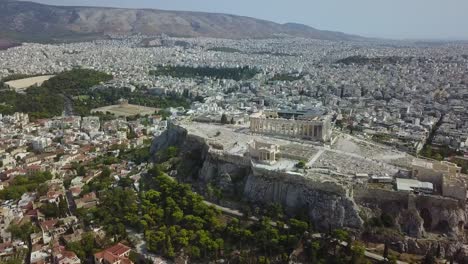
311 127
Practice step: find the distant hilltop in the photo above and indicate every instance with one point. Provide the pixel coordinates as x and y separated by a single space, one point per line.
28 21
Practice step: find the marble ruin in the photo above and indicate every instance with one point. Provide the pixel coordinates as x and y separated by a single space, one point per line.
303 125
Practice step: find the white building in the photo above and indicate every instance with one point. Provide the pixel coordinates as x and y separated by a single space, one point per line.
40 143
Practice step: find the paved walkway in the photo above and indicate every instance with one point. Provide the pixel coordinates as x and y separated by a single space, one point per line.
315 157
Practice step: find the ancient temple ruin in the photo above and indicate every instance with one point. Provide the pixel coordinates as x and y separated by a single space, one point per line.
304 125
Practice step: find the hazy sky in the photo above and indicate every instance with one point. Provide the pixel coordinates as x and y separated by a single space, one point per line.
422 19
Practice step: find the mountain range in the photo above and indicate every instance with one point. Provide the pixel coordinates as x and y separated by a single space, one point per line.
29 21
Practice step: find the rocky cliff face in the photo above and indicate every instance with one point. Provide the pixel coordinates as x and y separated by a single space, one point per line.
415 214
327 203
325 208
173 136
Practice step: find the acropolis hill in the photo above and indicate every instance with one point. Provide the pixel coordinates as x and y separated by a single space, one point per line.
340 183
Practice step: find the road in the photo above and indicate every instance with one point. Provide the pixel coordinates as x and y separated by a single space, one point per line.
68 105
315 157
140 246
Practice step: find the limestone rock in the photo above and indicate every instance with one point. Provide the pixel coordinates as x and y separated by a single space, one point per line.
323 208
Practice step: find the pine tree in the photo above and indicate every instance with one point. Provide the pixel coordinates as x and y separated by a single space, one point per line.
224 119
438 251
385 252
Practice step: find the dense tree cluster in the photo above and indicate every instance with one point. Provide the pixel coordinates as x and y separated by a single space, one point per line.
24 184
22 231
438 153
89 100
225 49
138 155
175 218
85 247
286 77
463 163
101 183
329 249
74 88
243 73
48 100
76 82
54 210
117 209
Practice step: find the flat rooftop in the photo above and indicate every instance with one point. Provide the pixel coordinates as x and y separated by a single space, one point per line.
410 184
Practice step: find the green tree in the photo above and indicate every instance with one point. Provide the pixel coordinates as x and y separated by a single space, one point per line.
224 119
439 157
298 227
301 164
429 258
81 170
22 232
357 253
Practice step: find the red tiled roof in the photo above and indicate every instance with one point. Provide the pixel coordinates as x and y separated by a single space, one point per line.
4 246
75 190
114 254
48 224
118 249
89 197
32 212
34 167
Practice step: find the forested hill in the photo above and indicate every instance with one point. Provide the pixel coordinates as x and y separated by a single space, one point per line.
48 100
37 22
75 88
